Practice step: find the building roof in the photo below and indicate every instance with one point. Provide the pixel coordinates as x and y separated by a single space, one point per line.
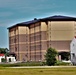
51 18
25 23
59 18
30 22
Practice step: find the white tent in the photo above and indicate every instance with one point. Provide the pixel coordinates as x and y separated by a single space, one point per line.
11 59
73 51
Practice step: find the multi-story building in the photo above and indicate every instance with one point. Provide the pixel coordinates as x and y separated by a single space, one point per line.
30 40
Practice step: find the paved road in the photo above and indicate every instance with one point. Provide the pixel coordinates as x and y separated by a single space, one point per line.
43 67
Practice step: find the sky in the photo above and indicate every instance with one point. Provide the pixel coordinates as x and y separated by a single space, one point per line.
16 11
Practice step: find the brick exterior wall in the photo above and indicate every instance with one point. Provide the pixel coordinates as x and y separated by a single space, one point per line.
30 43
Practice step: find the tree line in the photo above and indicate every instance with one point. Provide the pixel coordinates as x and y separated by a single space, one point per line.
4 51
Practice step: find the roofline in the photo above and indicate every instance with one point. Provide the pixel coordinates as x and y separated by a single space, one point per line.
45 20
20 24
60 19
40 21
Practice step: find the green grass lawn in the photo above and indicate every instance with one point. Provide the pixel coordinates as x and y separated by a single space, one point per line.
38 71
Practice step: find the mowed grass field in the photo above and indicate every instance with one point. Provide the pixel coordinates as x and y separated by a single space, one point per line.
38 71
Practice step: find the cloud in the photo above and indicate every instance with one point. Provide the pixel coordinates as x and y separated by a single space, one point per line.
29 6
12 11
5 3
5 14
23 4
13 3
5 23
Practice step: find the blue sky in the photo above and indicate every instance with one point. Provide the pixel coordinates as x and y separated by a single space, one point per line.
16 11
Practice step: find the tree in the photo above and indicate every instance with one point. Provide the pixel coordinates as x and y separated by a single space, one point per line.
4 51
51 56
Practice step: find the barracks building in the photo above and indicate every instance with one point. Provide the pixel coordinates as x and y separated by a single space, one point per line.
29 41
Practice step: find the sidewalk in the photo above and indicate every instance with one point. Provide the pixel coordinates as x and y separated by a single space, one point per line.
43 67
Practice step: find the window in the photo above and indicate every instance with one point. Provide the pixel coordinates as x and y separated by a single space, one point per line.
14 31
73 55
14 40
15 48
73 44
26 48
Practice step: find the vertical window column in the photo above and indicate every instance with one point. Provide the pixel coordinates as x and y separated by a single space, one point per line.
40 42
34 43
30 41
18 46
26 44
50 34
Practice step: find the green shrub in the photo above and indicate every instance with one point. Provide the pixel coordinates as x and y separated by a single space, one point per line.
51 56
3 60
43 63
23 64
60 63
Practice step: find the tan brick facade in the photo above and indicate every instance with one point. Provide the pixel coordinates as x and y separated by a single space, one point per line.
30 42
